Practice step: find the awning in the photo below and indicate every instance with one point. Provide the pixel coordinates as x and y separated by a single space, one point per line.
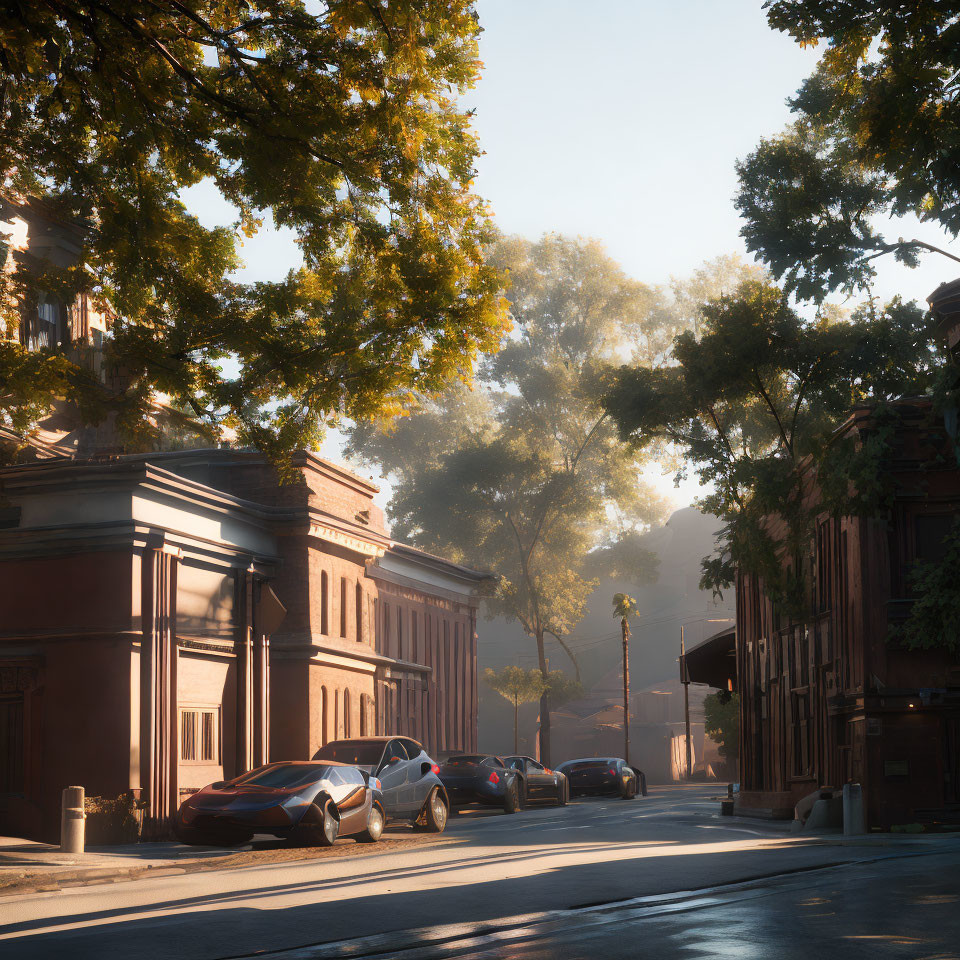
714 661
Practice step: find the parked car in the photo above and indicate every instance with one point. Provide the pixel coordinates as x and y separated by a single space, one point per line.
310 803
603 775
410 783
482 778
539 782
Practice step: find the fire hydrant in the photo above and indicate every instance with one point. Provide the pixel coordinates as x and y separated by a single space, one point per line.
72 816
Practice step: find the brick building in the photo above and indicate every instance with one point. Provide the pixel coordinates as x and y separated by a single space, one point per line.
832 698
158 631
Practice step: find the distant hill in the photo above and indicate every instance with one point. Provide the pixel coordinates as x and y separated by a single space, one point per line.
673 598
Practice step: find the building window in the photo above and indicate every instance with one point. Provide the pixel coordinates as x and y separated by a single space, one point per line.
43 329
324 603
11 744
364 707
359 612
413 637
399 633
386 629
343 606
824 598
346 713
324 738
931 531
336 714
200 735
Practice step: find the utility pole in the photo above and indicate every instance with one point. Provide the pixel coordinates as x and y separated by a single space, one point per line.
685 680
625 630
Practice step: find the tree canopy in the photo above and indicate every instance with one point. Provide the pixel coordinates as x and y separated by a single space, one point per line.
877 131
525 474
753 404
342 124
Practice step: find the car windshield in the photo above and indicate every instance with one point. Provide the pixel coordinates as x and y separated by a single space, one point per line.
351 751
587 765
283 775
465 761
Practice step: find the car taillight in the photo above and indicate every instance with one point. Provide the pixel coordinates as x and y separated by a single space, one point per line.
435 769
375 784
494 777
613 772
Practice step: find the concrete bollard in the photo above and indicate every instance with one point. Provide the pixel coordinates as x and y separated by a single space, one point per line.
72 818
854 821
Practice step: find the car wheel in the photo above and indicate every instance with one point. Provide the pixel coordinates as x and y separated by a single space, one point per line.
511 799
323 829
435 813
374 827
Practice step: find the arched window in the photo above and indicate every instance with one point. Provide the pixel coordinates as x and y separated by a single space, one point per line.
324 603
324 738
399 633
413 637
346 713
343 606
359 612
364 707
336 714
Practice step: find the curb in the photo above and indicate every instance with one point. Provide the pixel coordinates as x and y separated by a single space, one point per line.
26 884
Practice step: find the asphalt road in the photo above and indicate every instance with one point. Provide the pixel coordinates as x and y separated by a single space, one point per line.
541 872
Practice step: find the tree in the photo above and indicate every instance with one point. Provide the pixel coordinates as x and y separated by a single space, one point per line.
518 686
526 476
752 406
623 606
877 132
721 723
343 124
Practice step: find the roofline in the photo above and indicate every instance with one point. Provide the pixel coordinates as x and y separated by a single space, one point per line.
727 631
439 563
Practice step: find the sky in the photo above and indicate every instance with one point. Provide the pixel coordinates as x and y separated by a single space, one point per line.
622 120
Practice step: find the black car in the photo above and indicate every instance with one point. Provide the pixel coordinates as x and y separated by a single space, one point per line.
482 778
539 783
301 801
603 775
411 787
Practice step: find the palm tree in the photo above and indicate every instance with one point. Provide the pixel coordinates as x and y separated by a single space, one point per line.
623 606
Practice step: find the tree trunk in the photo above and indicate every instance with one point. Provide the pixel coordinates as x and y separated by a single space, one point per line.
626 689
516 724
544 704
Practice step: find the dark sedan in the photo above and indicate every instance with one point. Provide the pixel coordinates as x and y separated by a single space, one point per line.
603 775
539 782
411 788
310 803
482 778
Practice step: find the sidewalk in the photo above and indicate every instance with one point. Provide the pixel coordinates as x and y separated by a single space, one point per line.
30 867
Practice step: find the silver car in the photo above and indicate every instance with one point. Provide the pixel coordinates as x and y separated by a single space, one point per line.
408 776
